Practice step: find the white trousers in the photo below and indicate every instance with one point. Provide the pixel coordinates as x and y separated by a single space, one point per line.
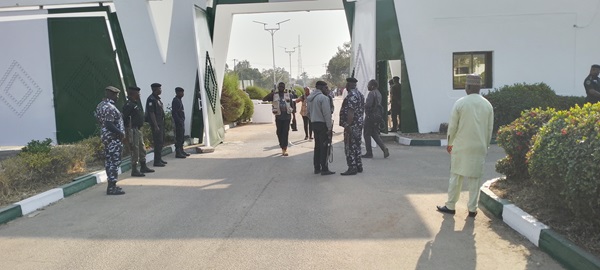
454 189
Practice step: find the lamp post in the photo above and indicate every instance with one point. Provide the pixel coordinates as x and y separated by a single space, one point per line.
290 53
272 31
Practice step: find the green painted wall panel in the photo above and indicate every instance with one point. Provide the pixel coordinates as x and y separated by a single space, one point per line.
124 61
83 64
197 119
388 45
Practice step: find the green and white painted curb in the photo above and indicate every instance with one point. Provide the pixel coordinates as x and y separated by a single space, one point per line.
78 184
557 246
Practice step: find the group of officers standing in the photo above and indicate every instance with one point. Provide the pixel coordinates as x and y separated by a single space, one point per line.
357 116
118 128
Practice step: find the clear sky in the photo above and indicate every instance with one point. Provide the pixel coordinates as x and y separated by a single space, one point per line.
321 32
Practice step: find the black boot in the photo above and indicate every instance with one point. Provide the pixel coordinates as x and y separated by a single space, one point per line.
179 153
144 168
135 172
112 189
350 171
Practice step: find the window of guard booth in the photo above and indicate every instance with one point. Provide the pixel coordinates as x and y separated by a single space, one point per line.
464 63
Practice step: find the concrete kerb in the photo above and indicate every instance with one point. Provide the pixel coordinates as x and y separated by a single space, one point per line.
78 184
556 245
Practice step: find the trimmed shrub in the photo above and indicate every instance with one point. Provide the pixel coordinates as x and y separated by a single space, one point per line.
248 109
515 138
35 146
510 101
256 92
564 160
94 148
568 102
231 100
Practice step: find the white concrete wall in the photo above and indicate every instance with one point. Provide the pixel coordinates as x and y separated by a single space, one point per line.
159 53
26 96
225 13
363 44
550 41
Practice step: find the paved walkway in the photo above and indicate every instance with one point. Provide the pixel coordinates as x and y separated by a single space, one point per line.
245 207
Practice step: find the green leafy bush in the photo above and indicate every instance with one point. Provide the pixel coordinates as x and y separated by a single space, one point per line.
256 92
35 146
510 101
231 99
248 109
564 160
515 138
567 102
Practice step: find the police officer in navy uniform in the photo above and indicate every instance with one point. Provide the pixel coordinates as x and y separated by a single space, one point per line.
155 116
352 119
133 118
179 121
112 133
592 85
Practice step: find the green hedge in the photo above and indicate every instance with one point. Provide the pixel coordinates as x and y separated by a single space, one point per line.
231 99
256 92
565 157
515 138
510 101
248 109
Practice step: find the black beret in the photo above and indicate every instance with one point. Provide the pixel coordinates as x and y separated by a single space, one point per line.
595 66
133 88
178 89
155 85
352 80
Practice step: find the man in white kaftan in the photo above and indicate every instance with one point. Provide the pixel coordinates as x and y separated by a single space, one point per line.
469 133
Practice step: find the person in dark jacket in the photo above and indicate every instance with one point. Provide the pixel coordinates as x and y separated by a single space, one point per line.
179 120
155 116
133 118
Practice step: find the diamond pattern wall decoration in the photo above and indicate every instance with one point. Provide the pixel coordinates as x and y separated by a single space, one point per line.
18 90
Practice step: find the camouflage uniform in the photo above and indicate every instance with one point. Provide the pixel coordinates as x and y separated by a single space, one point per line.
106 111
352 135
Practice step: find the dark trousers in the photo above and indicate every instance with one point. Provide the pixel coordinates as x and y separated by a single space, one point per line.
158 138
395 117
308 131
179 131
371 130
321 146
283 132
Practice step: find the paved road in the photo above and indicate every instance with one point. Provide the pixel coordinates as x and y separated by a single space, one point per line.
245 207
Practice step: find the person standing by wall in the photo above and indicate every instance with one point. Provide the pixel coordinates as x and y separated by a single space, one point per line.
179 121
469 134
112 133
373 119
395 94
133 118
282 109
592 85
319 109
308 132
352 119
155 116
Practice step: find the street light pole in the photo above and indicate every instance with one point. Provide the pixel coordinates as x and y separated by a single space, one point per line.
272 31
290 53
